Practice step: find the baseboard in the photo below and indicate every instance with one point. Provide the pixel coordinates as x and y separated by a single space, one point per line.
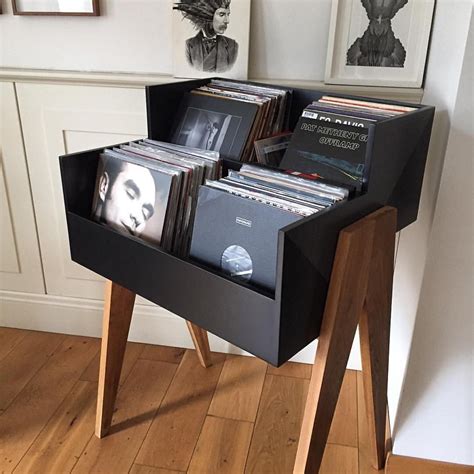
150 324
397 464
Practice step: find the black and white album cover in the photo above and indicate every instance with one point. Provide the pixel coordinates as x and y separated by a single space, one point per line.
131 198
239 236
211 37
214 123
334 151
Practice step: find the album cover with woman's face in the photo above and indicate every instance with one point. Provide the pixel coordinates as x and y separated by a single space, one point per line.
211 37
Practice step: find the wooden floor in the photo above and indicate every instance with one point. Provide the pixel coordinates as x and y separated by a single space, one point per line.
171 415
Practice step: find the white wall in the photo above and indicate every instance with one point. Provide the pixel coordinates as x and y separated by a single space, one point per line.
436 416
448 43
288 39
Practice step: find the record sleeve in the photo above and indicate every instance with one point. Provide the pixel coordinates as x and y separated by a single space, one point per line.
238 236
334 151
214 123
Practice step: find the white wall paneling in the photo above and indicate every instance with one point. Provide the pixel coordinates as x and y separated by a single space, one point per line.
63 119
20 263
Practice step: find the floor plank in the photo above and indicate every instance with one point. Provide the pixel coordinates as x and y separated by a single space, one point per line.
222 447
277 429
239 388
339 459
19 366
163 353
365 466
291 369
174 433
140 469
136 405
132 352
50 422
24 419
9 338
344 424
63 439
397 464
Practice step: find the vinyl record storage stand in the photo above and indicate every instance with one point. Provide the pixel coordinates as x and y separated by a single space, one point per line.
334 270
360 292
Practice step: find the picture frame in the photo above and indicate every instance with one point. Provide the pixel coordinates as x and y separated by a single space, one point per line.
401 28
211 38
56 7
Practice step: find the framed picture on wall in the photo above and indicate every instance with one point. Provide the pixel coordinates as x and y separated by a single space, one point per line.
379 43
56 7
211 37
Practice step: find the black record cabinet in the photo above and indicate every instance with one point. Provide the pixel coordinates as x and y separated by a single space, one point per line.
273 326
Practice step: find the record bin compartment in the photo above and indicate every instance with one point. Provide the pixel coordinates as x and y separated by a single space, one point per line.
273 326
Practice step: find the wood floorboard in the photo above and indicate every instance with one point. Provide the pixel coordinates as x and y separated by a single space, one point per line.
19 366
140 469
9 338
365 465
132 353
344 424
291 369
163 353
172 416
239 389
222 446
135 408
65 436
24 419
339 459
276 433
174 433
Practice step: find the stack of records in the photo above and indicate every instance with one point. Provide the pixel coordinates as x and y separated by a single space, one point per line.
333 137
238 218
229 117
148 189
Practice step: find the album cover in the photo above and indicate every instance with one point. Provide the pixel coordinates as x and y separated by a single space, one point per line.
214 123
239 236
334 151
270 150
131 197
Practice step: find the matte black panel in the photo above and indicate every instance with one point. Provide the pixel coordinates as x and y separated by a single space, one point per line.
276 328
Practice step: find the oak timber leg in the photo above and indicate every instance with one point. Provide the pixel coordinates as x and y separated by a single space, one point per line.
118 309
201 343
344 303
374 331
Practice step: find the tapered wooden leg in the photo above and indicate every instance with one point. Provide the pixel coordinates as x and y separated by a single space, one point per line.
201 343
118 308
344 303
374 331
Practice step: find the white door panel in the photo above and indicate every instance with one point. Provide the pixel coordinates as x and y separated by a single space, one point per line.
64 119
20 263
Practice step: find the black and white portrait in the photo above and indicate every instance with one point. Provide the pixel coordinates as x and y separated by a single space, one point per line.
132 199
378 46
211 38
207 129
378 42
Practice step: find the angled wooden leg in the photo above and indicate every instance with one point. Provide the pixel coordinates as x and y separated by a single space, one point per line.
201 343
374 331
118 308
344 303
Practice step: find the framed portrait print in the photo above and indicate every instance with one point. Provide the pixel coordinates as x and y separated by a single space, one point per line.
56 7
211 37
378 43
